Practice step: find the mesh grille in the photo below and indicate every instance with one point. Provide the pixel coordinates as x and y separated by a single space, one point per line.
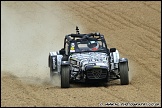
96 73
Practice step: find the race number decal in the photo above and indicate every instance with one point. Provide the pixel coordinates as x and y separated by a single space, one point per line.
72 48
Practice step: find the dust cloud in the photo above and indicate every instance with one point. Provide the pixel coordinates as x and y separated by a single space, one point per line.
132 69
30 30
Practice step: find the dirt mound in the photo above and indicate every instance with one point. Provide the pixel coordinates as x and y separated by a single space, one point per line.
30 30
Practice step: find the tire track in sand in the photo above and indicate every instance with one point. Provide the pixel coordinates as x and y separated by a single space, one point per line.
149 6
104 17
87 15
110 16
139 24
131 21
23 92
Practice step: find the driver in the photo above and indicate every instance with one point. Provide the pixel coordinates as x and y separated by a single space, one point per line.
93 45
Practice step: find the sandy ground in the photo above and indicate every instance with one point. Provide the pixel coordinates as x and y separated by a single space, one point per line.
30 30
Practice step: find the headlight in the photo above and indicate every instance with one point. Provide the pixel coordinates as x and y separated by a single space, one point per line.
74 62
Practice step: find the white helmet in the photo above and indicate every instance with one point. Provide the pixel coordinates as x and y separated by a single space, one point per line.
93 45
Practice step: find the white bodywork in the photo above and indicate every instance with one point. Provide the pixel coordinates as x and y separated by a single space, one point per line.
114 59
59 57
87 58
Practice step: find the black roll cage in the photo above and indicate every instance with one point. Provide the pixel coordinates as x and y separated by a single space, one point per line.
91 36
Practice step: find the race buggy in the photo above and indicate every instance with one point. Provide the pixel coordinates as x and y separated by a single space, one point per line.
86 58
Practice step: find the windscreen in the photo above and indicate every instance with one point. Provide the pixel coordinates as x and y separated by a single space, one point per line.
91 45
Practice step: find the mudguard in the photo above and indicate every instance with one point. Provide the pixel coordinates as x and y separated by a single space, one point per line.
114 59
123 60
55 61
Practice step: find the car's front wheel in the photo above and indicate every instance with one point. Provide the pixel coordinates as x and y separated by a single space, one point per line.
65 76
51 67
124 78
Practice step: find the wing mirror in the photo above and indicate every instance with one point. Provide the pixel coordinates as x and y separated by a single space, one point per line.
112 49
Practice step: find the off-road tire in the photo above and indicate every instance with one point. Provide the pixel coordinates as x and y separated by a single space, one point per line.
65 58
51 68
124 78
65 77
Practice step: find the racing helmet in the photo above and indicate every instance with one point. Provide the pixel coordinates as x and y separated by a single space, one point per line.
93 45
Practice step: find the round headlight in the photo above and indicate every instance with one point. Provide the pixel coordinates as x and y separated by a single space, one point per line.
74 62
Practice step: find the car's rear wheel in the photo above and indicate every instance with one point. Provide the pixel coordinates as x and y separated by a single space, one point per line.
65 76
124 78
51 67
51 73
